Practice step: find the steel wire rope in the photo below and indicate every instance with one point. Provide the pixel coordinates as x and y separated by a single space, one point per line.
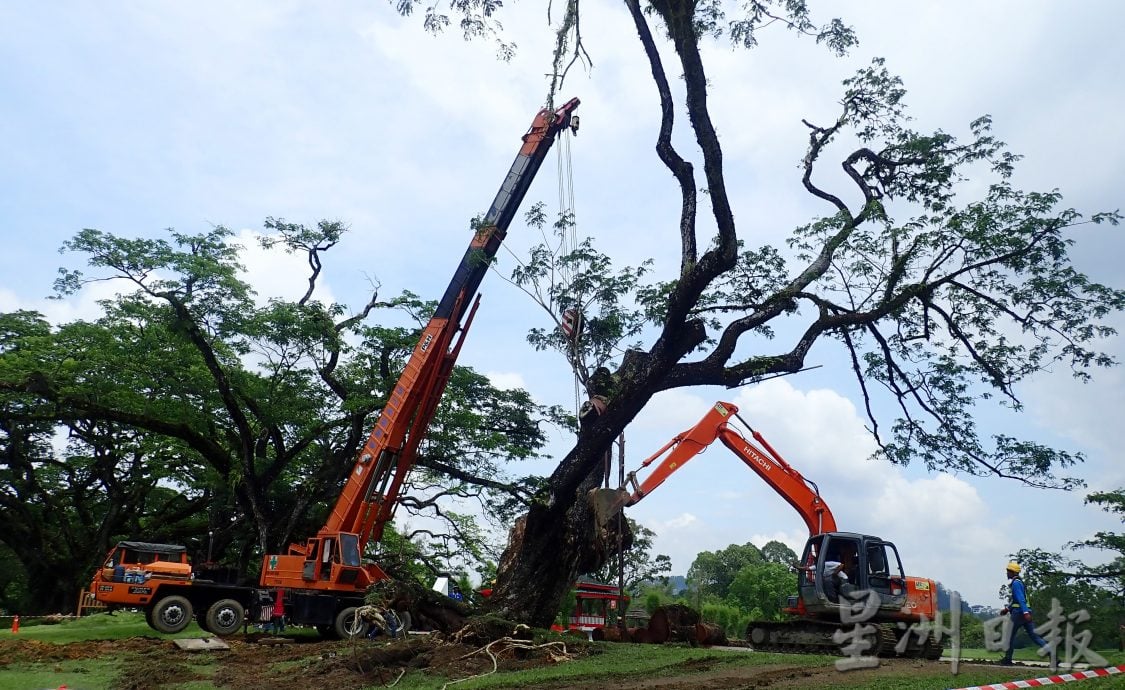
568 244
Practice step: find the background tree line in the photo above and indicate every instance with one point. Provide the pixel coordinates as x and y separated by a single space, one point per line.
190 409
733 586
190 412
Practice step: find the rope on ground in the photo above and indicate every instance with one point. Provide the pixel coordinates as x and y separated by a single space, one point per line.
551 648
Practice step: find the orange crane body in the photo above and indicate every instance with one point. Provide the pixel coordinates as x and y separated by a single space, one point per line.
331 561
321 582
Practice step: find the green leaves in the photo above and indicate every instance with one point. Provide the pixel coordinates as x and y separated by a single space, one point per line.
762 587
711 17
476 20
1097 589
967 296
567 274
641 564
712 572
186 393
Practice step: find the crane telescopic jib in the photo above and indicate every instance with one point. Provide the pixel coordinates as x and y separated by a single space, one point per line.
322 581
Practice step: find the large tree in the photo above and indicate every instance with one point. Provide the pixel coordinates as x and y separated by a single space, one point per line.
942 295
196 415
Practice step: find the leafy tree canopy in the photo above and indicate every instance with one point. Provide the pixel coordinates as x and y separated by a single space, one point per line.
193 410
944 284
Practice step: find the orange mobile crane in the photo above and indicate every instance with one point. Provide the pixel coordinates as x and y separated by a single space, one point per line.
871 564
324 579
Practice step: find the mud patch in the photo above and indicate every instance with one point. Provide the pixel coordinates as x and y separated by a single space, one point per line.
35 651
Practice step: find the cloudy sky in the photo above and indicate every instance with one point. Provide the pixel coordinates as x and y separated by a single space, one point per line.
134 118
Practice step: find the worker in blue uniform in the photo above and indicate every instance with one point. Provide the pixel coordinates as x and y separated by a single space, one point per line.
1020 612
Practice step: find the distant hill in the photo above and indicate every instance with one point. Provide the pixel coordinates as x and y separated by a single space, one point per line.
943 599
677 583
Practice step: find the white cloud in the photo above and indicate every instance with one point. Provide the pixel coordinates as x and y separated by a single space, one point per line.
681 521
794 539
506 380
83 306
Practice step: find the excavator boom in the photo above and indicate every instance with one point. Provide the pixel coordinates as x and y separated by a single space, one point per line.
870 564
799 492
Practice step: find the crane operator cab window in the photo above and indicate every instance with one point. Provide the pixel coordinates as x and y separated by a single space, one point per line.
327 555
343 551
825 567
830 565
349 550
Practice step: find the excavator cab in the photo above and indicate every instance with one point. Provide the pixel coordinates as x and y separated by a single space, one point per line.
865 563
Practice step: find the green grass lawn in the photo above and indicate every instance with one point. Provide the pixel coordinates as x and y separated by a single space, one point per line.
617 663
606 666
98 626
81 674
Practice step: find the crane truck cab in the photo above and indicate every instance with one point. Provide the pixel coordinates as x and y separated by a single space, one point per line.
158 579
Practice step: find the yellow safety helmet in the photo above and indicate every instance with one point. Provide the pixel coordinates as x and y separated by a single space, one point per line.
1014 567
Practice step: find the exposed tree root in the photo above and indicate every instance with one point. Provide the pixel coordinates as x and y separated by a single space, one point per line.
556 652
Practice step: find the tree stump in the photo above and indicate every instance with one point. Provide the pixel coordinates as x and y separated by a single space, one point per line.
673 622
710 634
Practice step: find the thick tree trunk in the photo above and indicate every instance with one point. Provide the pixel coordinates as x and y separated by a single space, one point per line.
559 538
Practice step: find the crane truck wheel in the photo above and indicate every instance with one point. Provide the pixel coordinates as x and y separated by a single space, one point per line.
225 617
348 625
171 614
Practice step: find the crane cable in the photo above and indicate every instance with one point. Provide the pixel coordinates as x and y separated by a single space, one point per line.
568 244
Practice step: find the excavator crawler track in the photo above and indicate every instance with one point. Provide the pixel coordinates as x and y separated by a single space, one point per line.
824 637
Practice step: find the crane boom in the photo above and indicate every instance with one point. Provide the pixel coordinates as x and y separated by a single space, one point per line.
367 502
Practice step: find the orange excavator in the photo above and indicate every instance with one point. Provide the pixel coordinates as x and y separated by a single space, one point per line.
874 592
322 581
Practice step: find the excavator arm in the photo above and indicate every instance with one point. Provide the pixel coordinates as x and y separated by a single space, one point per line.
901 599
331 560
758 455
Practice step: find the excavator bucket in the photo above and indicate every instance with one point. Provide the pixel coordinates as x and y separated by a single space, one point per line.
606 504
